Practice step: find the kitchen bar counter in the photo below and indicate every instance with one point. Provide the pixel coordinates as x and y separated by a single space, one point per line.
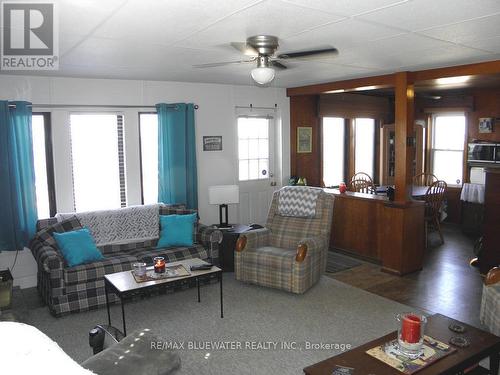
376 229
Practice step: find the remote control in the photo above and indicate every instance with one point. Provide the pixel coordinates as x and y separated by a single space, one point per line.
201 267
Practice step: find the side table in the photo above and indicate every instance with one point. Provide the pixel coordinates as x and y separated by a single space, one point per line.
226 248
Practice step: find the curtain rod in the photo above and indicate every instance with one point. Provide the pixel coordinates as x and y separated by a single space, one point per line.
253 107
196 106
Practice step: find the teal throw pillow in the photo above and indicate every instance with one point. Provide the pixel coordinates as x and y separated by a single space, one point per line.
77 247
176 230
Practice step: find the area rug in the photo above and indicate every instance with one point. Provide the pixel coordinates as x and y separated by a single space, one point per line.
264 331
337 262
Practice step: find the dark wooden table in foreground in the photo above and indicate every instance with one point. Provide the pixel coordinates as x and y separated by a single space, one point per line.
483 345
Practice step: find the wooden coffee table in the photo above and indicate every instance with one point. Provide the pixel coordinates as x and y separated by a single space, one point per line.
125 287
483 345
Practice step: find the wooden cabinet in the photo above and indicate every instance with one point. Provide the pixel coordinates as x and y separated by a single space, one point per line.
388 152
490 255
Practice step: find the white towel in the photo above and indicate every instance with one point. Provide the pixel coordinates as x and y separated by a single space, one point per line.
473 193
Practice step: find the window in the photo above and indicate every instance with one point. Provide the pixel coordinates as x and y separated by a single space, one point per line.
148 128
253 148
42 155
333 150
447 151
364 160
98 161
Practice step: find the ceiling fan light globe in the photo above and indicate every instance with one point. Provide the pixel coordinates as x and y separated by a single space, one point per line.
262 75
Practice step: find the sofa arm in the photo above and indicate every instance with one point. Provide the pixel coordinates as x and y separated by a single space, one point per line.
493 276
47 258
207 235
253 239
309 246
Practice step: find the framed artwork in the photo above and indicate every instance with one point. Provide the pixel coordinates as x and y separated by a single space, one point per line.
304 139
212 143
486 124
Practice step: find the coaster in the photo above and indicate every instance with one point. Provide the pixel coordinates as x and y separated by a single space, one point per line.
461 342
457 328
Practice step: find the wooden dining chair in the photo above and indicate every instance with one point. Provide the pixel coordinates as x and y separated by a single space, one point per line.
434 199
424 179
362 183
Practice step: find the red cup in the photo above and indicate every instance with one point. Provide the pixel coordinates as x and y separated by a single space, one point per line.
342 187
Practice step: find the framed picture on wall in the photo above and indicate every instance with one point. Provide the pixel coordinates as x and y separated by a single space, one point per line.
212 143
486 124
304 139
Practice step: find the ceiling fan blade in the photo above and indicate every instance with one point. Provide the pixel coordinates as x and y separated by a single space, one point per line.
245 48
278 65
215 64
315 53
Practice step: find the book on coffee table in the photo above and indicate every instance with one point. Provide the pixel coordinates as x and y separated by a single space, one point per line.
170 272
389 353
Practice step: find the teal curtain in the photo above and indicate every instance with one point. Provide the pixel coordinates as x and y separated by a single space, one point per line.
177 176
17 176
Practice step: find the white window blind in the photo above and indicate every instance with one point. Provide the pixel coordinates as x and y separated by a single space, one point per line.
98 161
333 150
365 146
148 123
447 153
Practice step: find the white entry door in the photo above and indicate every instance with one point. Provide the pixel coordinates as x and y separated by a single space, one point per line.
256 168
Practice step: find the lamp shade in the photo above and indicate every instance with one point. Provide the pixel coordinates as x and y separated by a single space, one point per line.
224 194
263 75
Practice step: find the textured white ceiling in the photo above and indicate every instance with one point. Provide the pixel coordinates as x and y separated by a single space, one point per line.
161 40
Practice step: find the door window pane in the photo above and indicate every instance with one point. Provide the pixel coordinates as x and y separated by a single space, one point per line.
253 148
97 183
365 146
148 124
333 150
40 164
447 166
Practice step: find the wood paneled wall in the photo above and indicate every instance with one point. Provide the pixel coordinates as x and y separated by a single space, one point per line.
486 104
304 113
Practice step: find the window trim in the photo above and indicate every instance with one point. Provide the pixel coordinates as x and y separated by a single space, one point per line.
49 160
140 149
432 138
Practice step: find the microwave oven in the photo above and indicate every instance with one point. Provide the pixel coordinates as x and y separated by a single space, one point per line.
483 153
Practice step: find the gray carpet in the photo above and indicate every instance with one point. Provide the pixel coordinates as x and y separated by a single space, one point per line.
331 312
337 262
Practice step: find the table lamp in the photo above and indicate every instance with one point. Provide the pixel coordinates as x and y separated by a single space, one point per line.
223 195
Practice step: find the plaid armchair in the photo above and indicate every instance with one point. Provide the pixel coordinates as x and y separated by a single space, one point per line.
290 253
490 301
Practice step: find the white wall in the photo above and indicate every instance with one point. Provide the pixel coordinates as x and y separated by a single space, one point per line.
215 116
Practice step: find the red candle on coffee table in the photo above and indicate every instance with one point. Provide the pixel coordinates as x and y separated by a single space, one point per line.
410 330
159 264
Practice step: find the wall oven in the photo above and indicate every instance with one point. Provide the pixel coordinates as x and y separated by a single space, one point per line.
483 153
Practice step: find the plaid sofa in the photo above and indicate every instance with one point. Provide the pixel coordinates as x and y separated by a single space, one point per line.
73 289
269 257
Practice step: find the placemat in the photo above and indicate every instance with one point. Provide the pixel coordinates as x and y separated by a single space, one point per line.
390 355
170 272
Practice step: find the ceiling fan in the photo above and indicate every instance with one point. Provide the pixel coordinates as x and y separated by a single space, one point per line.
262 49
